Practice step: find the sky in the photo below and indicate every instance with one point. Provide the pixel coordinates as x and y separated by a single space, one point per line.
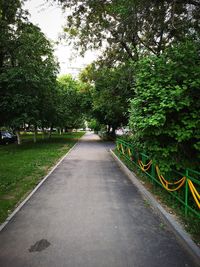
51 19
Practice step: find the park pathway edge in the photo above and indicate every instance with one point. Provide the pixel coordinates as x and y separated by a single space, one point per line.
177 229
18 208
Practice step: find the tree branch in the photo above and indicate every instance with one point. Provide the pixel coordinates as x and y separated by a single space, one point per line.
128 50
191 2
145 45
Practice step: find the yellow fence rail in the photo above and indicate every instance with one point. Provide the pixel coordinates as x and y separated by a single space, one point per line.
185 189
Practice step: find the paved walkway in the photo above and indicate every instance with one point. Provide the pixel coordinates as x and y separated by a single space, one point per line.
88 214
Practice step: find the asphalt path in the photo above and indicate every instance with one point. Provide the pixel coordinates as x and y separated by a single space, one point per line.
88 214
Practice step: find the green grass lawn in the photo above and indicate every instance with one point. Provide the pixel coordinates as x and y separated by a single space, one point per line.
22 167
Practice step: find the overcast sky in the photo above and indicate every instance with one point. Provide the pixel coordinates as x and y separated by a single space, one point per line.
51 19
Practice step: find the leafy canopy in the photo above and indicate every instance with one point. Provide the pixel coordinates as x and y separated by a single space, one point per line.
164 113
129 28
110 94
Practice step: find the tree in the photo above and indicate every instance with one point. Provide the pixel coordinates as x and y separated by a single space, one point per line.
8 18
164 68
130 28
11 14
164 114
69 108
94 125
111 94
28 80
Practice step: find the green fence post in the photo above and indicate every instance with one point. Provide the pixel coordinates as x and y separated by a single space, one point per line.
186 194
136 157
133 154
120 149
152 172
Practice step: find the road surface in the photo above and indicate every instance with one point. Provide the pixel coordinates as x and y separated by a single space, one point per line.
88 214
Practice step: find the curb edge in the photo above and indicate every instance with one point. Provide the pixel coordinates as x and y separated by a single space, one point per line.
177 229
15 211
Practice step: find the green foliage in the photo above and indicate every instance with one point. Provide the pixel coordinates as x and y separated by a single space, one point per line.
110 94
27 71
130 28
27 85
164 114
85 93
94 125
69 103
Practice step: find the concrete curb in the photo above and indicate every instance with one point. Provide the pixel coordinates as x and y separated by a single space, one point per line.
35 189
177 229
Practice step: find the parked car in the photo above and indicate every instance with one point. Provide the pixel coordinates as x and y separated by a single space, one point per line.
7 138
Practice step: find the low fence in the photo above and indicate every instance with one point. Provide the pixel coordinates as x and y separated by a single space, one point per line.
185 189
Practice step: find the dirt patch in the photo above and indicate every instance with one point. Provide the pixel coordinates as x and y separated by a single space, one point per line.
7 197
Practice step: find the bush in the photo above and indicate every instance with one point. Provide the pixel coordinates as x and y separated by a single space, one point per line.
164 114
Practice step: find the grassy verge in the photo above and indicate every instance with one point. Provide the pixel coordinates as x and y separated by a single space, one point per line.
191 224
22 167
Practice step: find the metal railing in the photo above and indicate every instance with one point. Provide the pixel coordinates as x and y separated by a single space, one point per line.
185 189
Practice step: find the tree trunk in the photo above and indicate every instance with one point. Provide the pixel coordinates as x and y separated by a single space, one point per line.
18 137
35 134
43 133
50 132
108 129
113 131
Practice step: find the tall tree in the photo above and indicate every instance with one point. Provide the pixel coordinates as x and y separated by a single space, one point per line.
130 27
11 14
111 93
69 103
28 78
164 113
10 17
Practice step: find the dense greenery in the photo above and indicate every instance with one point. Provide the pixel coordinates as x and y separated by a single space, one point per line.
164 113
129 28
110 94
150 67
28 71
27 85
147 77
69 110
31 95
